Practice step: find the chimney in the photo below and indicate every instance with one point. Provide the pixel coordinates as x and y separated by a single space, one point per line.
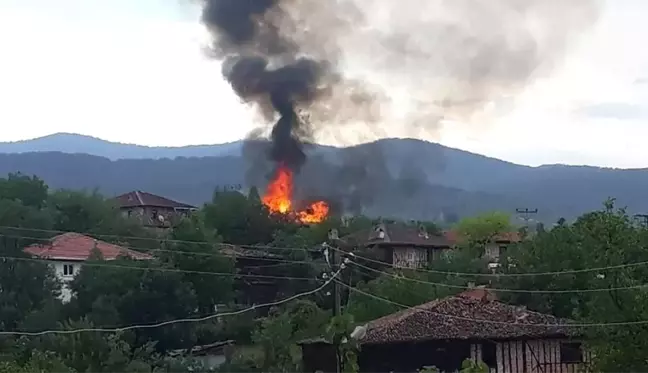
423 232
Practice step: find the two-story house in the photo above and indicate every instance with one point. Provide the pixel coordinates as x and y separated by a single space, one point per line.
152 210
495 248
67 252
401 245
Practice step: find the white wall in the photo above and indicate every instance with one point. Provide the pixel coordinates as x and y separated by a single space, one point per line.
61 270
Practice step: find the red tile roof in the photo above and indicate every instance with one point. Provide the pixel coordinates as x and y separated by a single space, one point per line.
140 199
77 247
452 318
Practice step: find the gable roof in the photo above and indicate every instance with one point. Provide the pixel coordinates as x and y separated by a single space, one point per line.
138 198
454 318
396 234
78 247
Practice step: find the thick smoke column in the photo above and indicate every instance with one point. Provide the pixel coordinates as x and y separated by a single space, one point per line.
265 68
382 67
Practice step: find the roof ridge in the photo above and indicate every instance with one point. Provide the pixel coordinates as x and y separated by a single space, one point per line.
139 197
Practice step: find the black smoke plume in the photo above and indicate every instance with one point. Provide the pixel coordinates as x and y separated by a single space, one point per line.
265 68
381 68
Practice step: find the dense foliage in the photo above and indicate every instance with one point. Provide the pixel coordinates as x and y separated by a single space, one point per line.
194 275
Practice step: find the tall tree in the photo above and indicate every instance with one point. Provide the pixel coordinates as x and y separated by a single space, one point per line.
196 248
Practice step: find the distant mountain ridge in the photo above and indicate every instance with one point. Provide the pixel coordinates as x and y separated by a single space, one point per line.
460 181
74 144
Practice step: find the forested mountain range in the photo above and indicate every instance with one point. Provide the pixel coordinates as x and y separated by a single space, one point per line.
456 182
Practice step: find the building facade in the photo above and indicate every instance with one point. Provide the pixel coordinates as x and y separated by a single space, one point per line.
445 332
400 245
67 252
151 210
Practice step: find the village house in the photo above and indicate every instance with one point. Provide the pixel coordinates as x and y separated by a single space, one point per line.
67 252
495 249
153 211
252 290
445 332
398 244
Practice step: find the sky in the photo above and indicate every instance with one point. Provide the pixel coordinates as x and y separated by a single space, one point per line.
136 72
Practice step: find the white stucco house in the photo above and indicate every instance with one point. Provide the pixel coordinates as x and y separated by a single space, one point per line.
67 252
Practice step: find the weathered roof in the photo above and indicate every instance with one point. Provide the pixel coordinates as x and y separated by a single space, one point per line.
454 318
78 247
396 234
140 199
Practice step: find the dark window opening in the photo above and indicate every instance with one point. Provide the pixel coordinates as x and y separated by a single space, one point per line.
489 354
154 214
68 270
571 352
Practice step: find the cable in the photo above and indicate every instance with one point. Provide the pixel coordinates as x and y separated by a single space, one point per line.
498 275
53 231
449 273
146 250
571 325
174 270
502 290
176 321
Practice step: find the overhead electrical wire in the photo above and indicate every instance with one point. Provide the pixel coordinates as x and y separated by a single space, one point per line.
175 321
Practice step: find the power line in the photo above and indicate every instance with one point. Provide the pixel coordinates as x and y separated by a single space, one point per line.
498 275
176 321
420 308
147 250
503 290
448 273
157 240
160 269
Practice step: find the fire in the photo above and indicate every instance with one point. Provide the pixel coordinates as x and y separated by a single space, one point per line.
278 199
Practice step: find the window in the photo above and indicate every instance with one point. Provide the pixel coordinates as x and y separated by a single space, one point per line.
154 214
489 354
68 270
571 352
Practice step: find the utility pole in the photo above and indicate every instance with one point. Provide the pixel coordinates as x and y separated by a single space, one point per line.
337 306
525 212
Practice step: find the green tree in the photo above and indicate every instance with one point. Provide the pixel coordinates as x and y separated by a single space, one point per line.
600 239
482 229
30 191
135 294
36 362
196 248
239 219
93 214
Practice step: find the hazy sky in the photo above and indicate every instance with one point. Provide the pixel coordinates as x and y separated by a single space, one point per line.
134 71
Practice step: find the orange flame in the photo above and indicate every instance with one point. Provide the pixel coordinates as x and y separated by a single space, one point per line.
278 199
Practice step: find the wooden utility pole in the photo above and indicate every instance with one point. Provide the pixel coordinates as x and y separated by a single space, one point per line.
337 306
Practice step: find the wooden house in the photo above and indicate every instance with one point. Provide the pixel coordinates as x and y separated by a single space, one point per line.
445 332
402 246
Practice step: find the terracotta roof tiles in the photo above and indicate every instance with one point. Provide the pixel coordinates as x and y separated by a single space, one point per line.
78 247
453 318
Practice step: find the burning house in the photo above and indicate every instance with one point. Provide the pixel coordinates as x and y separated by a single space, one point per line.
373 69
